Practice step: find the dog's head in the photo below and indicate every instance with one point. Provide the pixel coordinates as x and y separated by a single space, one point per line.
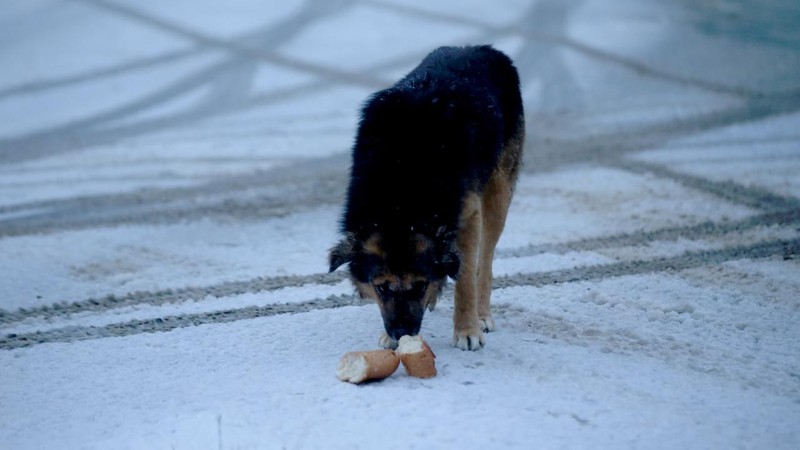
404 275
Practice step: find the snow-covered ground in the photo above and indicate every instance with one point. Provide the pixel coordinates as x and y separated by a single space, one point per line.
171 175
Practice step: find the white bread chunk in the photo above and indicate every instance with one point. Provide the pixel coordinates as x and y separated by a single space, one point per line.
417 357
358 367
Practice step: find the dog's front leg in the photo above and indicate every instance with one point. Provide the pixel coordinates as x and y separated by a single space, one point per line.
467 334
386 341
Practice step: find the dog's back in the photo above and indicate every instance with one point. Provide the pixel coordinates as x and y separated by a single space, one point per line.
475 70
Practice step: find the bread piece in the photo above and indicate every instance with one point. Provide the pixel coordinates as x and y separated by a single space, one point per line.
417 358
357 367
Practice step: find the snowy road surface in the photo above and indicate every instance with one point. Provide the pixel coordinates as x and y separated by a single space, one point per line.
171 175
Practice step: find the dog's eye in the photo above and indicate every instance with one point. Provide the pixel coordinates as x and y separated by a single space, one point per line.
383 289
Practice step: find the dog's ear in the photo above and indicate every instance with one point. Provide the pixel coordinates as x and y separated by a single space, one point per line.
342 253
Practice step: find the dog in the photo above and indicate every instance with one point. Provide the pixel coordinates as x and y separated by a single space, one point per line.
434 166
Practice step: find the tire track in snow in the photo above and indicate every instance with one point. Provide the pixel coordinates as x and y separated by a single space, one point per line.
536 35
93 130
280 191
751 196
226 289
700 231
787 249
135 208
98 74
236 48
169 323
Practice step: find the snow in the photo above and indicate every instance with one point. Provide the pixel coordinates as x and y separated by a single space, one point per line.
230 20
776 154
171 171
207 304
398 38
582 202
552 381
69 48
145 258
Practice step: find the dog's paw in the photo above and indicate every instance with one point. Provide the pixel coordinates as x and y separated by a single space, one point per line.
387 341
468 339
486 324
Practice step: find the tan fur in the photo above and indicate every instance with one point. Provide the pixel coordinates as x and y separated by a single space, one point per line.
398 283
422 243
465 313
372 246
482 221
367 290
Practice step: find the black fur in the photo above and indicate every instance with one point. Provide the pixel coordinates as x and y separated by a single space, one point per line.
421 147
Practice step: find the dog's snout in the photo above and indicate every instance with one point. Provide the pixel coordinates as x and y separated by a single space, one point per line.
397 333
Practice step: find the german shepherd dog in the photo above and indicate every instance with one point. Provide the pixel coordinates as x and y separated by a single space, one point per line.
435 161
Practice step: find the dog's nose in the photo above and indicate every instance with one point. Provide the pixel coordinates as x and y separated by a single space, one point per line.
397 333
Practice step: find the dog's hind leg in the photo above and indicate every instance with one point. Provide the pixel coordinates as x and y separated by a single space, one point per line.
467 334
494 208
496 199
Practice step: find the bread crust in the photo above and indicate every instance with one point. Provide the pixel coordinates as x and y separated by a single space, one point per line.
417 357
358 367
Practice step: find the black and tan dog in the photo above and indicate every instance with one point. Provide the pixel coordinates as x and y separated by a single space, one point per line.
434 166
